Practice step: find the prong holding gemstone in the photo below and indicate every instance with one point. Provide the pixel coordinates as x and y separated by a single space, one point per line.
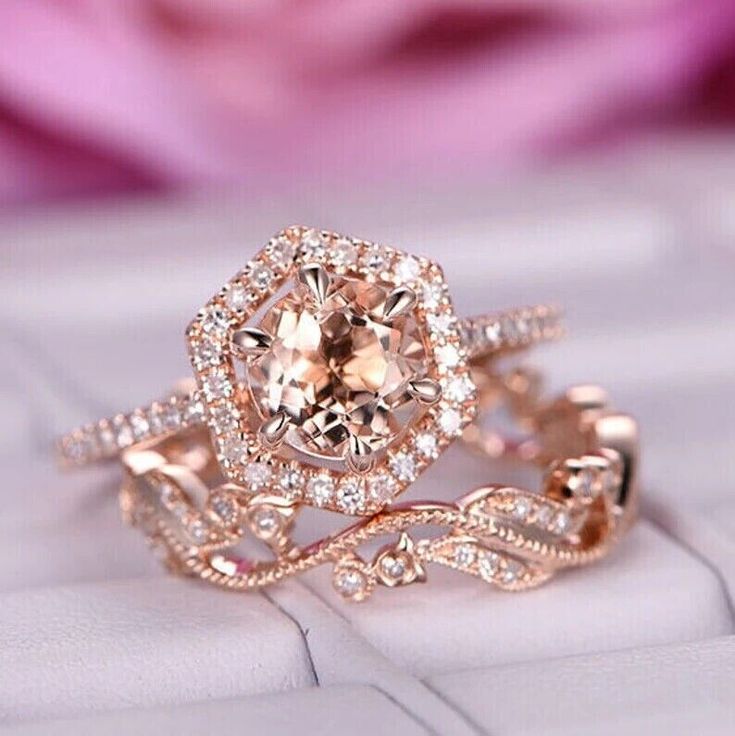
273 430
425 390
250 341
399 301
360 458
316 279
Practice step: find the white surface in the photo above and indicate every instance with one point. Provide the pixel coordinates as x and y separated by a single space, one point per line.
89 626
359 711
71 650
676 690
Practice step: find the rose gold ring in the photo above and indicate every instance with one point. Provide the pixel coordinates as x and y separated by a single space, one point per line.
330 371
506 536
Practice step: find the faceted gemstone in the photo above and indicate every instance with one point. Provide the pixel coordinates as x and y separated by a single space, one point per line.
426 444
465 555
403 467
344 253
320 489
521 508
450 421
350 583
408 269
339 369
351 495
382 488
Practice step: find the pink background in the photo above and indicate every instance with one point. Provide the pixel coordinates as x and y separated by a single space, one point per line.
109 96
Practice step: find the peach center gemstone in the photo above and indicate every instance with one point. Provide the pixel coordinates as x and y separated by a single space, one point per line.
340 369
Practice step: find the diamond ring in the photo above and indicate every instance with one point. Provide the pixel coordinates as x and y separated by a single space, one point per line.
508 537
329 371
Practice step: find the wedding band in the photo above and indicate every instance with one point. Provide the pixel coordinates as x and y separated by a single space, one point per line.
349 386
506 536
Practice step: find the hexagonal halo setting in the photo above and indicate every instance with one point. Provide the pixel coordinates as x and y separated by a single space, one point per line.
225 397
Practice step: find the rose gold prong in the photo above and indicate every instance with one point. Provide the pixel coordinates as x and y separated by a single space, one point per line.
360 458
273 430
316 279
251 341
399 301
425 390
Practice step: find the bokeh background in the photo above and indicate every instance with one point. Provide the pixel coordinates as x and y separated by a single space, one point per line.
103 97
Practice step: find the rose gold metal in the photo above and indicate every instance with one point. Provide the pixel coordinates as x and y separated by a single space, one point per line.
417 336
509 537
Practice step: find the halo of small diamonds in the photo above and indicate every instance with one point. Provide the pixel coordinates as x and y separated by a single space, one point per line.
244 459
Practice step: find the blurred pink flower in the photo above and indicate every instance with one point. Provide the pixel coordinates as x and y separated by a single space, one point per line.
110 95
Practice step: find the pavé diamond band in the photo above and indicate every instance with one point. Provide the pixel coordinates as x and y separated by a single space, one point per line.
511 538
330 370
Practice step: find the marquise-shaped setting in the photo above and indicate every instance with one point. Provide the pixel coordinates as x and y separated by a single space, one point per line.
333 354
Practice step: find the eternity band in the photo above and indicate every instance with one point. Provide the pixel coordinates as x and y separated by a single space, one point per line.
509 537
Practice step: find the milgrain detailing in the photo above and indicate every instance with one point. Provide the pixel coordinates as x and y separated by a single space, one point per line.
349 385
505 536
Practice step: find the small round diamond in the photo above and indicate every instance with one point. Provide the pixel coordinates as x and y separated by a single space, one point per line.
440 323
403 466
464 555
447 355
509 329
258 475
193 412
432 294
489 564
206 353
408 269
106 438
291 482
426 444
382 488
237 297
225 507
561 522
313 247
491 335
351 495
320 489
521 508
350 583
543 515
165 418
234 452
198 531
450 422
215 321
261 277
216 385
393 566
513 570
171 416
139 425
281 252
266 521
344 253
459 389
224 417
374 259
